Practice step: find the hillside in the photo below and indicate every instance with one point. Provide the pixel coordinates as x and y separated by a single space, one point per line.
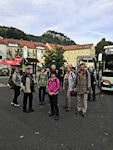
48 37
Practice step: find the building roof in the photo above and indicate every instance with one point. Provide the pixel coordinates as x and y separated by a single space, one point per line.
2 41
22 43
72 47
77 47
54 45
31 44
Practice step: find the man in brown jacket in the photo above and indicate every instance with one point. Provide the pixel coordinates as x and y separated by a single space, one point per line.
83 85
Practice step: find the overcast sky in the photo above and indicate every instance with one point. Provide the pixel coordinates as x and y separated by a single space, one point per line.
84 21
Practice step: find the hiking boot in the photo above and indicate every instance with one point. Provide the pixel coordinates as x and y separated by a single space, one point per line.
94 98
31 110
64 107
41 103
56 118
83 114
25 111
12 103
50 114
78 112
68 109
17 105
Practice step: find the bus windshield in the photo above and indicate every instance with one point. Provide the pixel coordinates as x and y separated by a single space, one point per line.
109 62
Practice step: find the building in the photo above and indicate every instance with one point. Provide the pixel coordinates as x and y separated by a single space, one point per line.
72 53
3 53
32 52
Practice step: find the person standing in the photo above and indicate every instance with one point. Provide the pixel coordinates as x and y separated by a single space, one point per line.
47 72
93 82
61 74
53 69
16 86
73 69
82 87
53 90
27 84
42 82
69 81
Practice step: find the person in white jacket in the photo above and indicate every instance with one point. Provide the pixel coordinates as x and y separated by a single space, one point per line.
68 86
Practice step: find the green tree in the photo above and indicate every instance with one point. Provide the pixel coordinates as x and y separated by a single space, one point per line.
55 57
100 46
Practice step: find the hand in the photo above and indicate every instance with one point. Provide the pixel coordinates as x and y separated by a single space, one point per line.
87 92
51 93
75 89
25 91
54 93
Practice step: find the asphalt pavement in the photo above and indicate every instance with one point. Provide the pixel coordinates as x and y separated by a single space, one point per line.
37 131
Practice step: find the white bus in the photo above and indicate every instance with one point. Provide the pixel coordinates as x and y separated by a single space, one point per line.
106 58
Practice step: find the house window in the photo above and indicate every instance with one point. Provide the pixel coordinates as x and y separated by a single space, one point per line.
82 52
74 58
13 44
70 58
28 53
74 53
86 52
78 53
39 47
33 52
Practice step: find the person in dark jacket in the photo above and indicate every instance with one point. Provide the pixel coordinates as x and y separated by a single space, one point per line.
16 86
47 72
61 74
53 69
93 80
27 84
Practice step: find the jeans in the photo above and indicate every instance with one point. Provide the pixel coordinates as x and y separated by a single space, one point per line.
16 93
42 92
61 81
26 96
54 104
93 90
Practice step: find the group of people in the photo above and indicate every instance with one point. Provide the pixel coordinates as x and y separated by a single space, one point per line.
49 81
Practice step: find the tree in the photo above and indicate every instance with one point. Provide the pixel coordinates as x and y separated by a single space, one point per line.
54 56
100 46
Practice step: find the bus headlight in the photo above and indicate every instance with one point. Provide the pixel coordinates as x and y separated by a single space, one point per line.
106 82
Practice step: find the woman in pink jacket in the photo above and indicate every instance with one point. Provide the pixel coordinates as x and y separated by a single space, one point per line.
53 90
